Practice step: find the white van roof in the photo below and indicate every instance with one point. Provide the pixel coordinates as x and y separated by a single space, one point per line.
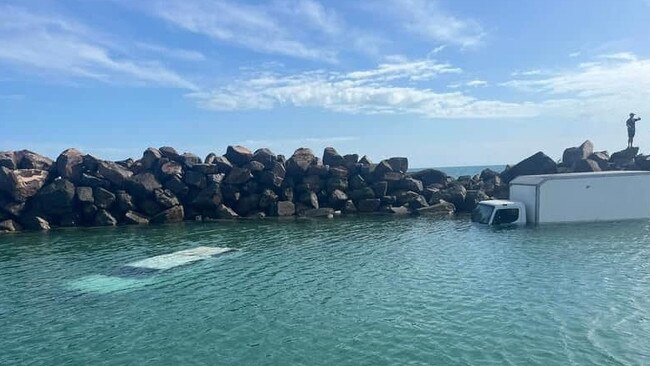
535 180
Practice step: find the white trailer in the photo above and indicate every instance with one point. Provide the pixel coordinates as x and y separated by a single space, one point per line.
581 197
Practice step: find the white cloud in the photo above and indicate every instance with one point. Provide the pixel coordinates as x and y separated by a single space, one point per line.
428 20
621 56
612 86
55 45
528 72
376 91
257 27
477 83
575 54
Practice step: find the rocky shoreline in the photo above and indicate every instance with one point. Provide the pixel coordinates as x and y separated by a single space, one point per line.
164 186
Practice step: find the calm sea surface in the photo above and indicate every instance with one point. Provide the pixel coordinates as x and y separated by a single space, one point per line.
348 291
353 291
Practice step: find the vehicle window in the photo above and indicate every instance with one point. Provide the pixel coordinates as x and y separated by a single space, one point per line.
506 216
482 214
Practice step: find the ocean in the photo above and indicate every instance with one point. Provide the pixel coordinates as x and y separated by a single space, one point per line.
370 290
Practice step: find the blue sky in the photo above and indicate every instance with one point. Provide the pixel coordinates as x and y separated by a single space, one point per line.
441 82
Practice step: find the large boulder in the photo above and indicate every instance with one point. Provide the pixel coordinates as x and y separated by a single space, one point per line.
165 198
55 199
150 158
274 176
135 218
399 164
8 160
103 198
300 161
173 214
223 164
170 168
331 157
586 165
85 195
238 176
538 163
225 212
430 176
602 158
189 160
284 208
32 222
30 160
113 172
411 184
625 158
208 198
238 155
264 156
104 218
170 153
9 226
142 185
22 184
70 164
573 155
455 194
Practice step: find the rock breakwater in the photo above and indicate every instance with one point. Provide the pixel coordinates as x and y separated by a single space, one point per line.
165 186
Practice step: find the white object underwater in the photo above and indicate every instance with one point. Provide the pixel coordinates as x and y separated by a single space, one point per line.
182 257
103 284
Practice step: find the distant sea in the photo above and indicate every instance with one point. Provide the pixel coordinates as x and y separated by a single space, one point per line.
458 171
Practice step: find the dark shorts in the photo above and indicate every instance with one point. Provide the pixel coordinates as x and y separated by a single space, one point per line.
631 131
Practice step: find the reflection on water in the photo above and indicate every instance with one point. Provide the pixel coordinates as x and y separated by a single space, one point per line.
351 291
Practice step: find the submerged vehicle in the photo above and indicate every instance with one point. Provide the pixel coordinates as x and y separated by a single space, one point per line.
570 197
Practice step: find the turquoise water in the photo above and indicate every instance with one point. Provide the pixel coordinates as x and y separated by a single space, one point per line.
353 291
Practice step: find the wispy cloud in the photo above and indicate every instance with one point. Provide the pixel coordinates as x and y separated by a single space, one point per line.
383 90
429 20
621 56
53 44
477 83
614 84
256 27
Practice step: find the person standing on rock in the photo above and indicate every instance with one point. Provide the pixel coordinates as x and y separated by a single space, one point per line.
631 129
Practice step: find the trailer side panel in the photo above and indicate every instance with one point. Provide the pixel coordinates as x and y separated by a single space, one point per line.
601 198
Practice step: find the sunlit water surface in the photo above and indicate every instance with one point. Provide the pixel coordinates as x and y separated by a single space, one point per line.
347 291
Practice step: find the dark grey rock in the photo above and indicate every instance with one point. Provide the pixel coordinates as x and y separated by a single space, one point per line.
85 195
70 164
238 176
573 155
170 215
142 185
332 158
284 208
104 218
238 155
113 172
538 163
300 161
430 176
26 159
103 198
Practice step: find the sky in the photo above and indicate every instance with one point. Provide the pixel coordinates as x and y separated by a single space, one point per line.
442 82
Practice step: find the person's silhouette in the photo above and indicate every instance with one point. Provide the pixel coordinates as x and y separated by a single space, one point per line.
631 129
